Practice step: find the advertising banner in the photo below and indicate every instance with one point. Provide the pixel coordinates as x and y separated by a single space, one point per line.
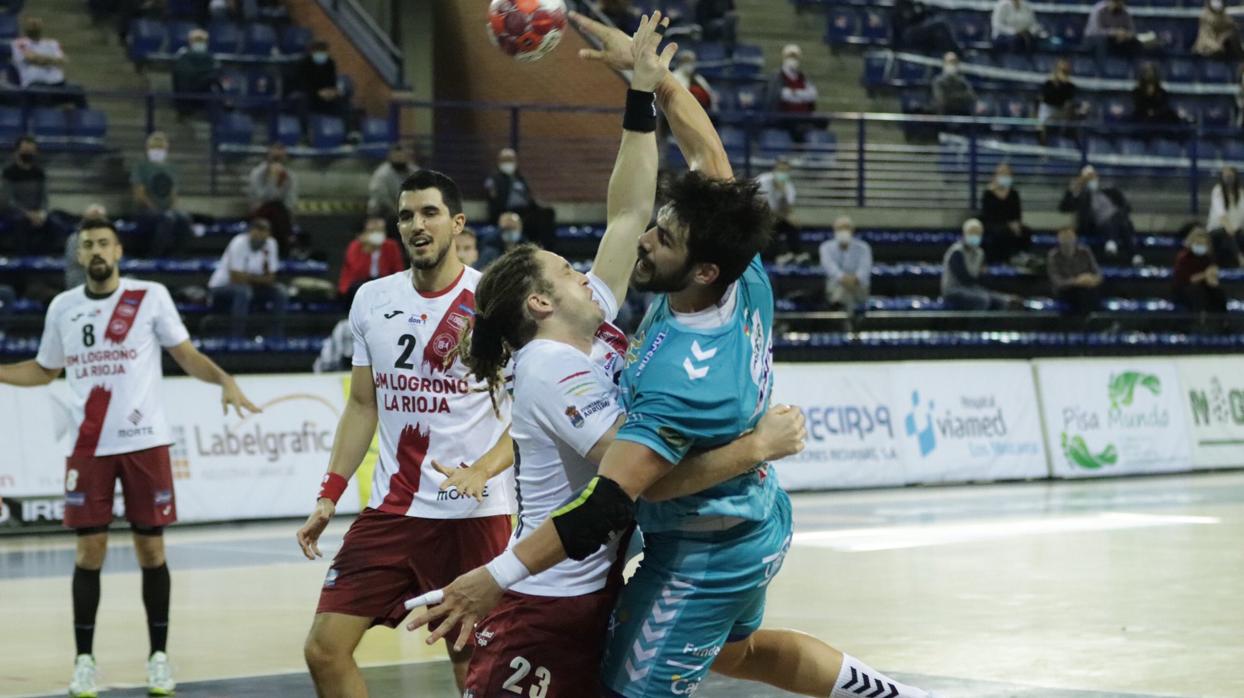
1213 397
1114 416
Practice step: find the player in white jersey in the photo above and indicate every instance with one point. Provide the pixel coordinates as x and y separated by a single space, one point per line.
107 336
407 378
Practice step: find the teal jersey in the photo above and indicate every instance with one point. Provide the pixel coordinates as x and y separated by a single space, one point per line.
698 382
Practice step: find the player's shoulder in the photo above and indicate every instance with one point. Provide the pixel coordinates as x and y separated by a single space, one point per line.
544 363
380 290
471 277
66 299
130 284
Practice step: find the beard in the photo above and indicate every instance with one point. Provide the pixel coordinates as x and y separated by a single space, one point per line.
99 271
428 262
656 281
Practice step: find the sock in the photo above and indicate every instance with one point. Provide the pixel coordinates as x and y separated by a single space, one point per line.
155 599
85 604
858 679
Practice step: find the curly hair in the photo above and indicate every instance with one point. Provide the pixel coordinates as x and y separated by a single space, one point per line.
728 222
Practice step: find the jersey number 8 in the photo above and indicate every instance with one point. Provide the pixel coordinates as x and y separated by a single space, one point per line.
88 335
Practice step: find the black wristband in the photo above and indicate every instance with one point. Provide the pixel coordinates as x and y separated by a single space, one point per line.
641 112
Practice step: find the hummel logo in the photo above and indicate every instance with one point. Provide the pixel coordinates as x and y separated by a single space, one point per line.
392 314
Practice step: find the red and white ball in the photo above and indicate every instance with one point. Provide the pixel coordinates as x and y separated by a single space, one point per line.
526 29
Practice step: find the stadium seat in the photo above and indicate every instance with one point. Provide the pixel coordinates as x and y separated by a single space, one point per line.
1083 67
1015 61
909 73
286 129
734 141
775 142
234 128
260 86
10 124
223 37
1214 71
259 40
750 97
183 9
1115 111
1216 116
1233 150
8 26
844 25
87 125
1100 145
48 124
820 143
971 29
875 27
345 86
1070 29
145 37
1180 70
294 39
1116 69
327 132
233 83
876 65
748 60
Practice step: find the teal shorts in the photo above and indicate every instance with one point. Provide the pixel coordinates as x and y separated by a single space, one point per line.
693 593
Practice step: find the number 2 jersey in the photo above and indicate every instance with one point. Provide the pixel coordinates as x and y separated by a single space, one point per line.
110 349
430 406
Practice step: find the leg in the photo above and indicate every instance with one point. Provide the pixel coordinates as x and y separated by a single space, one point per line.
149 549
786 659
92 548
279 299
239 308
329 652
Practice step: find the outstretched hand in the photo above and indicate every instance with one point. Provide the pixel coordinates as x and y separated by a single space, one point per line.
231 396
650 67
615 45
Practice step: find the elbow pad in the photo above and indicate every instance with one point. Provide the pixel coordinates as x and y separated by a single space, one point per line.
600 513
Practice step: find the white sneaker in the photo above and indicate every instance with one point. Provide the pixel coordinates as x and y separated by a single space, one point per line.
82 685
160 676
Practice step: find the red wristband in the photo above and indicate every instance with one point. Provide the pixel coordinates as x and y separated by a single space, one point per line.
332 486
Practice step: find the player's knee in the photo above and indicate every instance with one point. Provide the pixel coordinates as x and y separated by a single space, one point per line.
148 548
319 652
91 550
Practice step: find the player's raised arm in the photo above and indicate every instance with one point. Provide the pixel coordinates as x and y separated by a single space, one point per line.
633 184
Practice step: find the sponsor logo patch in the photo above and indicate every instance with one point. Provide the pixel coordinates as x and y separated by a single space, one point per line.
75 499
163 497
576 419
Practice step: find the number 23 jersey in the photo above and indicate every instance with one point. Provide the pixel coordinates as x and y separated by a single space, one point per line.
430 407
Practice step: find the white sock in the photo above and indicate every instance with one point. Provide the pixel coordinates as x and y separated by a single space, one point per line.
857 679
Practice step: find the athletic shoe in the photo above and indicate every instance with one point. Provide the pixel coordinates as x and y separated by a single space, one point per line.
83 683
160 676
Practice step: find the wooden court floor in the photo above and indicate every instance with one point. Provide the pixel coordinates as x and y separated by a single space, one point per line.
1058 590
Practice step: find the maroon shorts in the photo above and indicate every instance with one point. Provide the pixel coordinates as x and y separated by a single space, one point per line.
541 646
388 558
146 482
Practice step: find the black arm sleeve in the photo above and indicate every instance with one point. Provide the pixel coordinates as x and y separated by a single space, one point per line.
597 515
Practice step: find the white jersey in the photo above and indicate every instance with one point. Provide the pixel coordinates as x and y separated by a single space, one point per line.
430 406
110 350
564 402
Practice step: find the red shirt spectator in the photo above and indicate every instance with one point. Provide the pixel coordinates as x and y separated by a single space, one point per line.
370 256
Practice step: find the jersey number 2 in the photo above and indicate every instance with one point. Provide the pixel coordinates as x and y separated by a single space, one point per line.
521 668
88 335
407 342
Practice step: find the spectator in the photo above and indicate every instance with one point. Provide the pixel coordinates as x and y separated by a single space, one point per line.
246 275
685 73
272 190
1103 213
952 95
386 184
792 94
963 269
917 28
1074 275
1058 98
622 15
778 189
371 255
508 191
1226 218
1196 283
196 72
40 65
154 184
337 350
1151 102
75 275
1217 36
848 265
509 234
719 21
466 244
1007 239
316 79
1015 26
1110 31
25 197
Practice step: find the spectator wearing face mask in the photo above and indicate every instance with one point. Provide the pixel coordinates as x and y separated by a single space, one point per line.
963 273
154 184
686 75
246 277
778 189
792 94
1007 239
24 192
466 244
509 192
40 64
1226 219
1217 36
1197 287
386 184
75 274
272 190
848 265
952 95
371 255
1103 213
316 79
195 72
1074 275
509 235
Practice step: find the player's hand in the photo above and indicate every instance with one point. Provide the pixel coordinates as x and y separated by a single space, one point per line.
231 396
615 45
461 605
309 535
780 433
650 66
470 481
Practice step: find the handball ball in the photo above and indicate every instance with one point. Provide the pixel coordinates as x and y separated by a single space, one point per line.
526 29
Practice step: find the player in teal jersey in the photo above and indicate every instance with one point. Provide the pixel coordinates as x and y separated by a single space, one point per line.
698 374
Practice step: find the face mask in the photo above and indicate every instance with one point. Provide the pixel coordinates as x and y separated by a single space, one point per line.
511 236
508 168
781 177
842 236
1093 185
1200 249
319 58
26 158
375 238
972 240
1005 181
257 245
157 154
198 46
790 65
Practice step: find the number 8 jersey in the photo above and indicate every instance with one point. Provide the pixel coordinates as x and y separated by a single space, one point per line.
430 407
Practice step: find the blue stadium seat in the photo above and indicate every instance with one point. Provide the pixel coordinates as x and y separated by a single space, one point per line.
1044 62
178 35
909 73
1115 111
750 97
1180 70
233 82
1216 116
1216 72
1116 69
875 68
844 25
820 143
287 130
259 40
971 28
748 59
875 27
260 89
327 132
912 103
1083 67
223 37
733 140
986 106
1187 109
234 128
1133 146
1015 61
1100 145
1016 108
10 124
377 137
1233 150
775 142
1164 147
294 39
8 26
145 37
88 123
711 53
183 9
1069 28
48 124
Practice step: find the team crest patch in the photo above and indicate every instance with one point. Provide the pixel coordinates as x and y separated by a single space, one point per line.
672 437
576 419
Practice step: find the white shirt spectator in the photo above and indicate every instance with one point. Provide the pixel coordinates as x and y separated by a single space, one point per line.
781 197
29 73
1011 18
240 257
1218 210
